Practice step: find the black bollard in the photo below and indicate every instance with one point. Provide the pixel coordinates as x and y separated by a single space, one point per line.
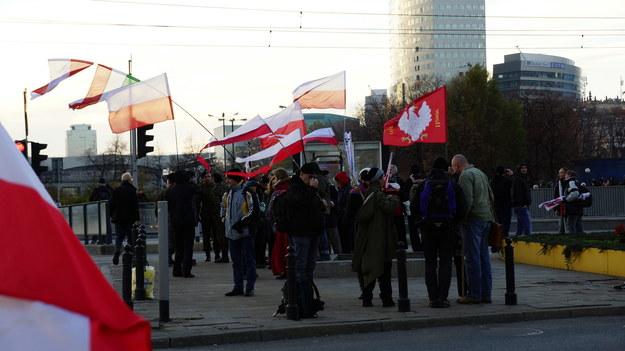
403 303
292 309
510 294
142 236
127 275
139 269
134 234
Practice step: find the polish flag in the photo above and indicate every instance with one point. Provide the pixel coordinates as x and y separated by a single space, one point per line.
324 135
295 136
60 69
139 104
52 295
327 92
282 124
253 128
105 79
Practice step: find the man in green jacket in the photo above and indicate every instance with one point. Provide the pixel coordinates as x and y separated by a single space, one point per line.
479 216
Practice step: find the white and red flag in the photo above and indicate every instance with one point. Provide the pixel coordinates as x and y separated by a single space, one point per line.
139 104
423 121
105 79
287 141
60 300
60 69
326 92
251 129
282 124
323 135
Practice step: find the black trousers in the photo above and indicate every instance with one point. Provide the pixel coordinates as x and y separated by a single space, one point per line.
386 290
438 246
185 236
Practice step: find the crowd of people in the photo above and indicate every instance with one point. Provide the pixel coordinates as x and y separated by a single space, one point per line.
250 222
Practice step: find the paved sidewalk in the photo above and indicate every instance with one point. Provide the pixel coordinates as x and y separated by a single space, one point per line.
202 315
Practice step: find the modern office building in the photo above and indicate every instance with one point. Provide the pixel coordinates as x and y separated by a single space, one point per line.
439 38
524 74
80 140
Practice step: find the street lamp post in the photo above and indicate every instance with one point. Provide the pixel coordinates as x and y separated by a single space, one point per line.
223 126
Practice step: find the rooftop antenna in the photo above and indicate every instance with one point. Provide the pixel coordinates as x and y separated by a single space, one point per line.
518 48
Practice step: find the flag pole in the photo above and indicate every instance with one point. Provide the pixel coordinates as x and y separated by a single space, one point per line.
133 141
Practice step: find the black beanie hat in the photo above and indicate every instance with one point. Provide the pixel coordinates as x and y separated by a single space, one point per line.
236 178
441 163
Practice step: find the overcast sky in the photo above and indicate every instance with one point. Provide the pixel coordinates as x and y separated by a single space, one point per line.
221 56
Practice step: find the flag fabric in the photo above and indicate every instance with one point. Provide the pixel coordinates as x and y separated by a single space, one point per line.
290 139
105 79
139 104
61 300
423 121
60 69
326 92
282 124
323 135
251 129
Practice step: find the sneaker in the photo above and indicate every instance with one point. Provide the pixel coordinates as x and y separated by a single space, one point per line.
116 258
234 292
249 293
468 301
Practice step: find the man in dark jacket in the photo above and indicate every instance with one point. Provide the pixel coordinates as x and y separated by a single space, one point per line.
346 236
502 191
521 200
305 211
439 225
574 209
124 213
208 204
183 217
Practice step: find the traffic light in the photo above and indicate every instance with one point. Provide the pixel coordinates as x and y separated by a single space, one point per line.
36 157
142 140
22 146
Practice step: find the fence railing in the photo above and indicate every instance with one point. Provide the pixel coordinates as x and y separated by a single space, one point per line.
608 201
92 218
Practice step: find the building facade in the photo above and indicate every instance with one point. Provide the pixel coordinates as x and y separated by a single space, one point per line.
530 74
438 38
81 139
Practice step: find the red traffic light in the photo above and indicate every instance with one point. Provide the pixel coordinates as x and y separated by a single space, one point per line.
20 146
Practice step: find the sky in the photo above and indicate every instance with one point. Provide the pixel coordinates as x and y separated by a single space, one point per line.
244 58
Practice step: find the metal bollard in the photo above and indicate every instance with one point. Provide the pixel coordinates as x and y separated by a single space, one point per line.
510 294
292 309
142 236
403 302
134 233
139 269
163 258
127 275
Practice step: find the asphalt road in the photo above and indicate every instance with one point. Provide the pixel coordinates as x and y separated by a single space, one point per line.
574 334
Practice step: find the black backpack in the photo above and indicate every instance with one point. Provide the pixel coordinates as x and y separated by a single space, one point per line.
587 200
438 199
308 299
279 211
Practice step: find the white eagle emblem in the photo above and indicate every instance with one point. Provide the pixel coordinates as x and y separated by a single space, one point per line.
413 124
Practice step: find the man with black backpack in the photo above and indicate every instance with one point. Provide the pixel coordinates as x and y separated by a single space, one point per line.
441 203
574 204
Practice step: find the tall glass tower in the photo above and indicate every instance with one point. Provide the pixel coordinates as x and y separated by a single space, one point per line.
439 38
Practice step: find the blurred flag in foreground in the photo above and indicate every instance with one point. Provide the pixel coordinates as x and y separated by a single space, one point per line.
60 300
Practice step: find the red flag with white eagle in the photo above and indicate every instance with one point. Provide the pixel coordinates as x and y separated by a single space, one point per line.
423 121
60 69
60 300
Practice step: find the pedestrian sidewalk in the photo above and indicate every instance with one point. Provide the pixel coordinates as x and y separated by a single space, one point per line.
202 315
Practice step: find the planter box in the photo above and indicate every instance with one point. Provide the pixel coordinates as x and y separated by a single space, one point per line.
608 262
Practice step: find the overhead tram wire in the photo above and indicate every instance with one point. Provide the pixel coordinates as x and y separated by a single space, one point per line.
298 12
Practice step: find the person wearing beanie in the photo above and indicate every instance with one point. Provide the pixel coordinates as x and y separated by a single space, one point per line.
124 207
305 213
376 240
502 192
237 212
521 200
344 188
441 203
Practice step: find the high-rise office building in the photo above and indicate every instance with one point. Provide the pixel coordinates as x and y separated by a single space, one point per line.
528 74
437 38
80 140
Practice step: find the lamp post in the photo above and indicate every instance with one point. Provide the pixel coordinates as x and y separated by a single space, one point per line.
222 119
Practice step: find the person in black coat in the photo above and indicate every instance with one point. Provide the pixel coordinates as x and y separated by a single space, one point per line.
521 200
124 208
502 191
183 217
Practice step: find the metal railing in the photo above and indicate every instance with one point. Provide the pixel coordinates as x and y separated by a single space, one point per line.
608 201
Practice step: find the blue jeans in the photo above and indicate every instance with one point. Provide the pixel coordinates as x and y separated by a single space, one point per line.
305 255
574 222
523 221
243 257
504 216
477 259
